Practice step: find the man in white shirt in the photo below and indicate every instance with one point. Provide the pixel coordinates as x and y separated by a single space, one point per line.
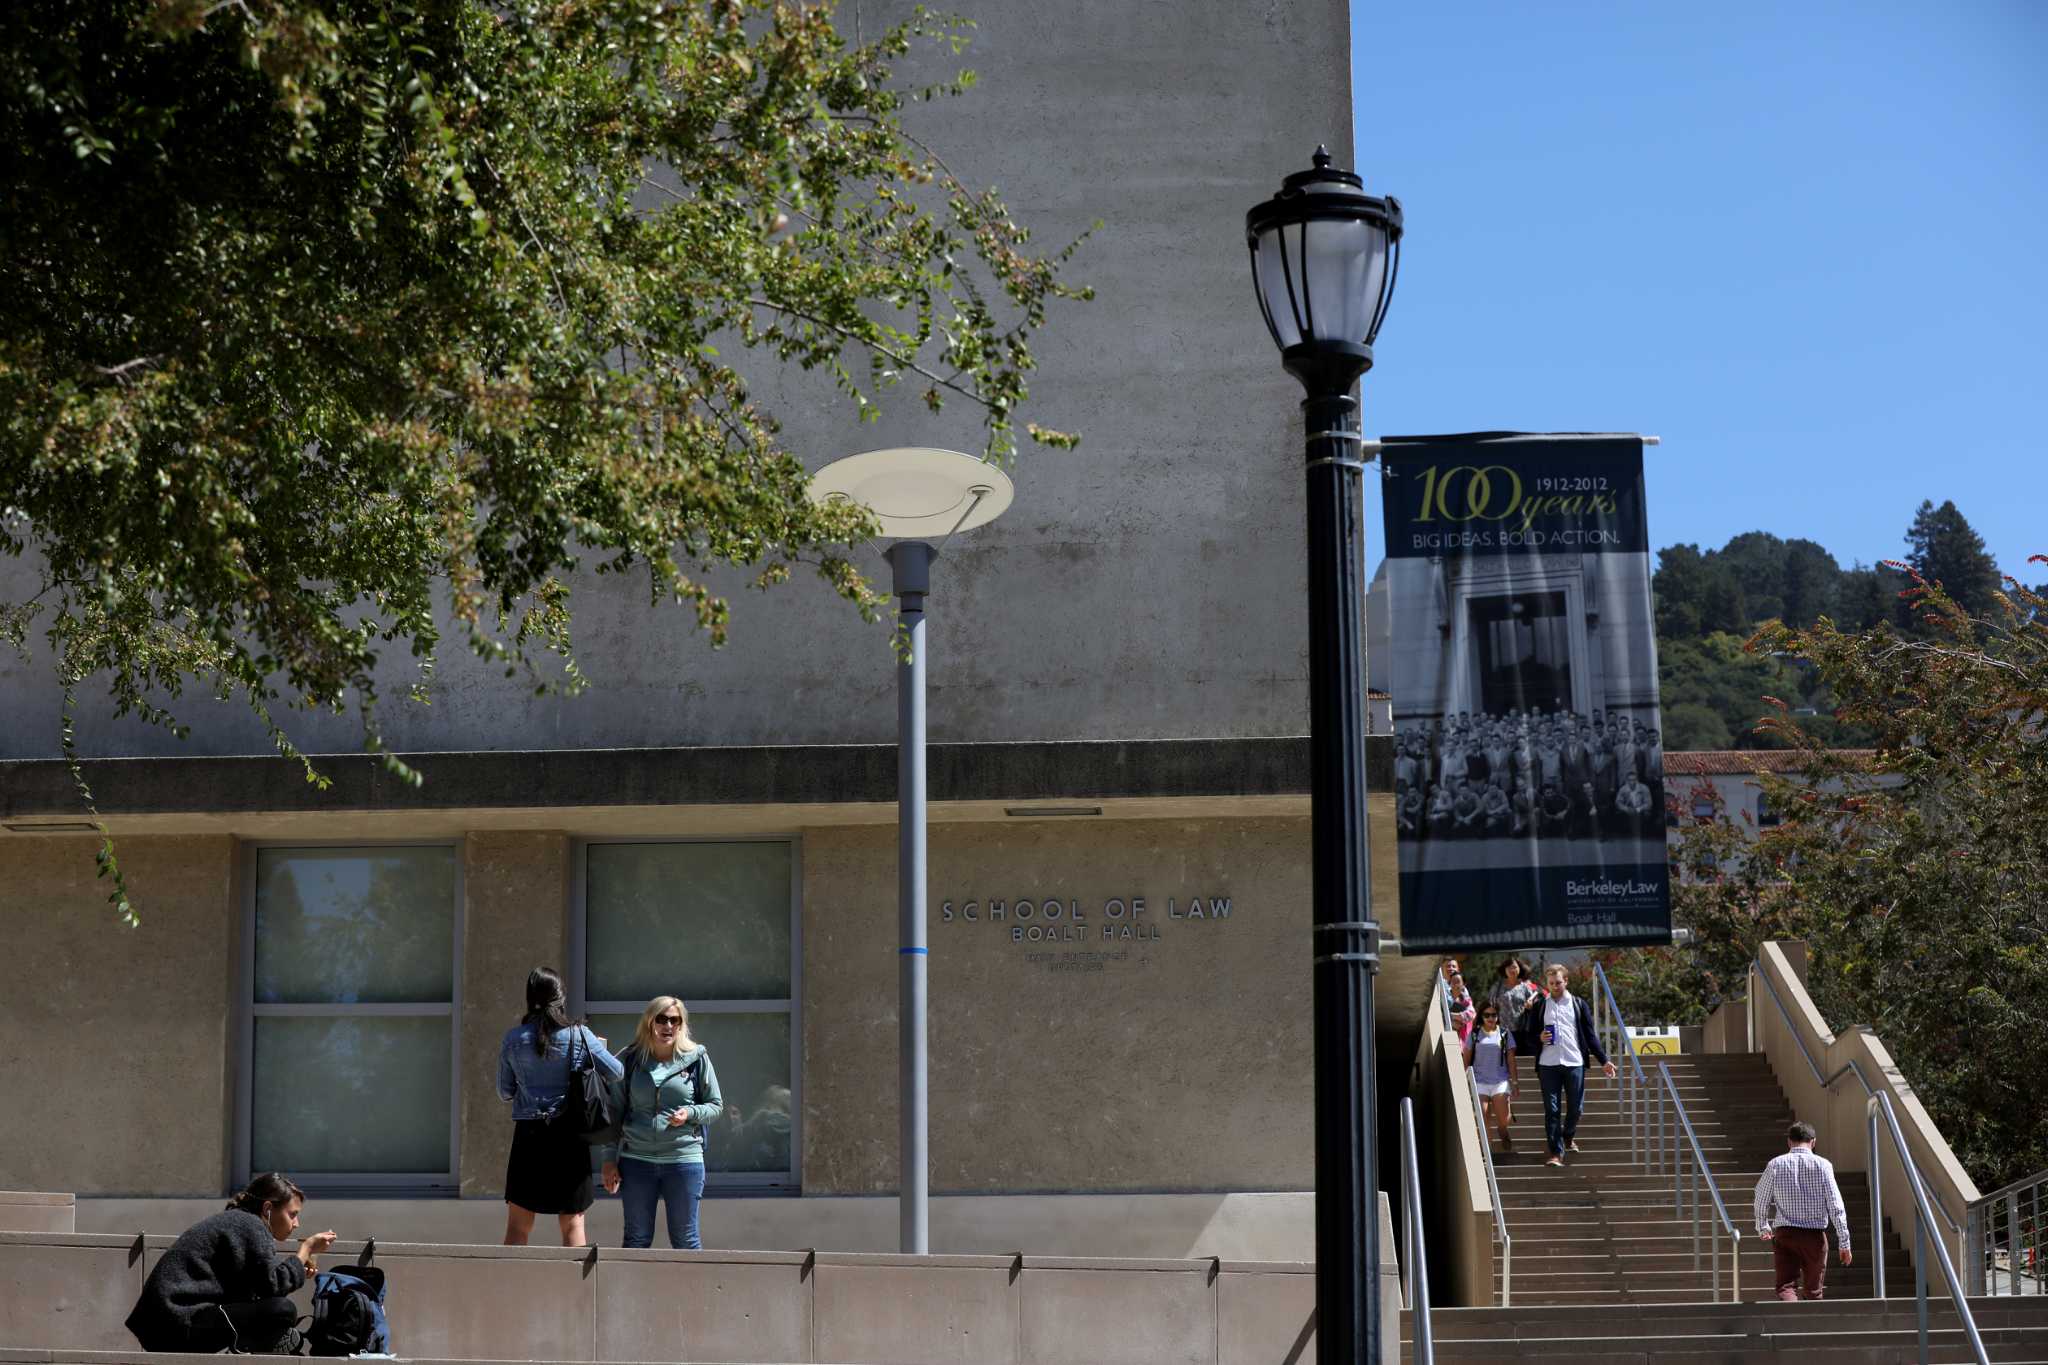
1558 1032
1796 1202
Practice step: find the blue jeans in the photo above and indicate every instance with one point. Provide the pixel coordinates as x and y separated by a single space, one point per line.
1564 1095
678 1184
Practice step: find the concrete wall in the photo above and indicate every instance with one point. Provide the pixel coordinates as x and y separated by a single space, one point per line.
1271 1226
1176 1059
516 898
1456 1198
72 1292
30 1211
117 1061
1797 1041
1163 119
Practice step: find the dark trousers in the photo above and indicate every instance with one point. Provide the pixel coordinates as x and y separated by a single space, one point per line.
1564 1096
1801 1257
259 1327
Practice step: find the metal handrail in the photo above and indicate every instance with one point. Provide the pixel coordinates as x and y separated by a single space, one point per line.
1827 1083
1701 1172
1500 1215
1983 1238
1881 1103
1411 1220
2020 1186
1632 1100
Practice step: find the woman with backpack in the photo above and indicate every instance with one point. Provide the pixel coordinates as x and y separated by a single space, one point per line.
669 1097
550 1167
223 1287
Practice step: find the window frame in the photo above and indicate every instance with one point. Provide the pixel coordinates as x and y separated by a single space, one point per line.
755 1182
248 1010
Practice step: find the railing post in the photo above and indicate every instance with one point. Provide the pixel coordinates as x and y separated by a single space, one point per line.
1920 1277
1695 1184
2012 1240
1876 1204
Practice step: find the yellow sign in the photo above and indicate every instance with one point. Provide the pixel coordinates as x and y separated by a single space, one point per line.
1654 1043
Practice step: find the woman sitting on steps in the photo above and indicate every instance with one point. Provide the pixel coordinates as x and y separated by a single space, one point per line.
223 1287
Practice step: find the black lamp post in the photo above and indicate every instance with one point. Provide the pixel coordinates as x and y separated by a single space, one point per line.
1324 256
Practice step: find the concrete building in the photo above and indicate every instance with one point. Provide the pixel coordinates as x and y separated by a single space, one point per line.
1119 871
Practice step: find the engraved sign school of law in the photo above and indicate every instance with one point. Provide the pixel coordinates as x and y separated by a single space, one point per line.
1113 919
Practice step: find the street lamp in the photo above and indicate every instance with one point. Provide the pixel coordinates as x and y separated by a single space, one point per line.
1324 256
914 492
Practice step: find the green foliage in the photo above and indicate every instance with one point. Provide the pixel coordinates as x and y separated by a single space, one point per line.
325 324
1716 688
1915 877
1758 578
1943 548
1692 724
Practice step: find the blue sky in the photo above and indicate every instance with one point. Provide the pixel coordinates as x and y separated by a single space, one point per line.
1806 244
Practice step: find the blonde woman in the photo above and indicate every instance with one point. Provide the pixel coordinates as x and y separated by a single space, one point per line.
668 1098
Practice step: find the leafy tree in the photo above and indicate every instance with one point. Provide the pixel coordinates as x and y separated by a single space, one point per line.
1811 580
1942 547
1915 875
1679 589
315 316
1695 725
1867 595
1756 560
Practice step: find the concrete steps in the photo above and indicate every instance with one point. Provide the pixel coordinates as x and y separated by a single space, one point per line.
1668 1332
1602 1232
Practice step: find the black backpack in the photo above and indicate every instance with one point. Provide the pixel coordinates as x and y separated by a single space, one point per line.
348 1312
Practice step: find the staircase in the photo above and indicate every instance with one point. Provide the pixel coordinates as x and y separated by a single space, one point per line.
1832 1332
1604 1266
1603 1231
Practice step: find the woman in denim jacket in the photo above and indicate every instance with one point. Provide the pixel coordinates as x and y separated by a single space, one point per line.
550 1167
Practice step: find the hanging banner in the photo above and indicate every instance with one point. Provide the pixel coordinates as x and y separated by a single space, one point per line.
1528 754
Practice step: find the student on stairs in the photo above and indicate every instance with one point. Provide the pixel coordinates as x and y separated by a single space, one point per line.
1800 1189
1490 1056
1558 1031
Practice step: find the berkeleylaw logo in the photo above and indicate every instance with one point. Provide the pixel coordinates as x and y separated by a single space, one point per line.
1608 886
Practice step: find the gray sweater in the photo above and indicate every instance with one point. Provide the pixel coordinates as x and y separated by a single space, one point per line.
228 1258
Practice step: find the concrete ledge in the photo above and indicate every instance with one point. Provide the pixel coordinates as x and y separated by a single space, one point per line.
31 1211
65 1296
1273 1226
767 774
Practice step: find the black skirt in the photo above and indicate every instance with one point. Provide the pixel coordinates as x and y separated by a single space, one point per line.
550 1168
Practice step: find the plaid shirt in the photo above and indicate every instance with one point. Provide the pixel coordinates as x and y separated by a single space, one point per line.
1801 1186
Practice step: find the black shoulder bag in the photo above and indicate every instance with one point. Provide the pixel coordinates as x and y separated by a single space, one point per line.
588 1108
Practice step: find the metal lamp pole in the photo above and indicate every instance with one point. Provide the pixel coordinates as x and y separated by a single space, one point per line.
1324 256
911 561
913 492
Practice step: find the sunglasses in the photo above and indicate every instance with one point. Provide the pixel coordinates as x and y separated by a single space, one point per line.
670 1020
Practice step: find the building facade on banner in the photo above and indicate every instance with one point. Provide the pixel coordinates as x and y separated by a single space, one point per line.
1120 1034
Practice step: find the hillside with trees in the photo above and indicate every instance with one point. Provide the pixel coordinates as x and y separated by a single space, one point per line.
1710 603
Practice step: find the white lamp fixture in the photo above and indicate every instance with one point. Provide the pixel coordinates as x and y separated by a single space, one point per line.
915 492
